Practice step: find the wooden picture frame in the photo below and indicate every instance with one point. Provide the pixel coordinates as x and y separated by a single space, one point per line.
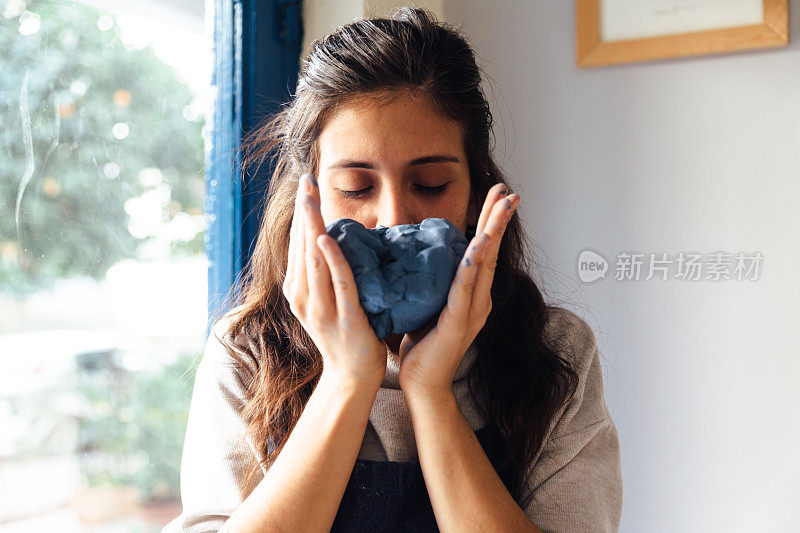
591 51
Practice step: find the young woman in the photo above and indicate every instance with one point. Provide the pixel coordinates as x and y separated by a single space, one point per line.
489 418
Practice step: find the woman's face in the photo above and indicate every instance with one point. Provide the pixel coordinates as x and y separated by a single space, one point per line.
394 163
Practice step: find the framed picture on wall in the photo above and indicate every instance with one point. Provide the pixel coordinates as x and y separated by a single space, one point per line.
624 31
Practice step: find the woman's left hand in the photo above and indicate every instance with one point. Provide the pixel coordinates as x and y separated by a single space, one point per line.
429 356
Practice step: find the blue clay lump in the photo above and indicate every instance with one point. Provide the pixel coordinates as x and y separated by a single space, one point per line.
403 273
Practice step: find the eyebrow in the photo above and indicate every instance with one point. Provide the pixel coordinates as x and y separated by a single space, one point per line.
436 158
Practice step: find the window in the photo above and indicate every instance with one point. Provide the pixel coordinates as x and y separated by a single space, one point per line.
103 270
124 217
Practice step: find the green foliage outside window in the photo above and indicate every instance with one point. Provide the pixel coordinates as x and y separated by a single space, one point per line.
132 426
85 125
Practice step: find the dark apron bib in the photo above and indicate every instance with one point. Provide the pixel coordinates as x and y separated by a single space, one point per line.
391 496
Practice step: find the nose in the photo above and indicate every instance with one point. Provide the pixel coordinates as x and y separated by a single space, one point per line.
394 209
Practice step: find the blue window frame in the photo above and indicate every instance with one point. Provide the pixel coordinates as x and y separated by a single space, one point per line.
257 47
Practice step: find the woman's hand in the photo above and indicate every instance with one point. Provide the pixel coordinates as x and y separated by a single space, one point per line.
429 356
322 294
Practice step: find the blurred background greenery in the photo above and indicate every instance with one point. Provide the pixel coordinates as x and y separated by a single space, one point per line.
101 235
94 134
132 430
127 426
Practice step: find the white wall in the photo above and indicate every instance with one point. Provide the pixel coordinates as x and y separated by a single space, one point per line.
699 154
320 17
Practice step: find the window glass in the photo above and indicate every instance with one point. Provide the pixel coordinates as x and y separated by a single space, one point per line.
102 264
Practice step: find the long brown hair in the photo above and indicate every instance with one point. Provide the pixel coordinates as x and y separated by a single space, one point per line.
518 380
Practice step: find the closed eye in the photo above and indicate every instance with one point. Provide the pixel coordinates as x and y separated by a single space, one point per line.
439 189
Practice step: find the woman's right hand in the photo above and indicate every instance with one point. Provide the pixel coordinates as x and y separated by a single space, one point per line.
322 294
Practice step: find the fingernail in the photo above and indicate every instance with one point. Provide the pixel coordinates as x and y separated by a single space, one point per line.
504 191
